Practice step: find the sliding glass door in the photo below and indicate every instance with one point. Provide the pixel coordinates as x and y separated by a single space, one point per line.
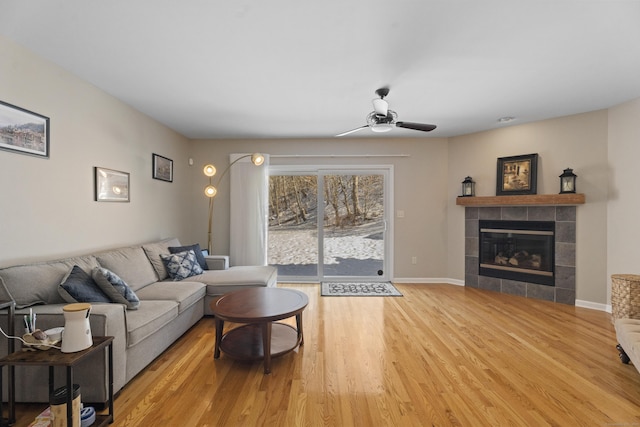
330 224
353 228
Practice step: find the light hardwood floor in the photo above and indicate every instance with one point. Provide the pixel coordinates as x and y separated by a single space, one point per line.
442 355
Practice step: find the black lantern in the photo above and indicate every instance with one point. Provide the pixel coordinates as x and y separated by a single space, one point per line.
468 187
568 181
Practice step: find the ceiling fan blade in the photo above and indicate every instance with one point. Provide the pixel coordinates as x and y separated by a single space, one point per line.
416 126
352 130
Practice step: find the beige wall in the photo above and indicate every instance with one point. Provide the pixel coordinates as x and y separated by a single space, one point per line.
420 190
578 142
624 201
47 208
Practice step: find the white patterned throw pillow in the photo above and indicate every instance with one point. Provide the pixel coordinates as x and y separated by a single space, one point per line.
115 288
181 265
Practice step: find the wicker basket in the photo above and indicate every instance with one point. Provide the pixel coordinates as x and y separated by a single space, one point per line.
625 296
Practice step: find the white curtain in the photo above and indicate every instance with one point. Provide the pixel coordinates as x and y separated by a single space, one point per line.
249 199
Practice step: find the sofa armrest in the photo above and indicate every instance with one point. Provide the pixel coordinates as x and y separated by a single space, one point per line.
217 262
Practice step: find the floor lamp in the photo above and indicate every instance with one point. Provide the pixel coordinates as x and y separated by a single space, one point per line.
210 190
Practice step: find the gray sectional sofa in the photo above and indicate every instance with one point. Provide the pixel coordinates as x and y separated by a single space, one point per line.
167 310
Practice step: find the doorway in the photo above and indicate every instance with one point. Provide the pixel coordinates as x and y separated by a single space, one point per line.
328 224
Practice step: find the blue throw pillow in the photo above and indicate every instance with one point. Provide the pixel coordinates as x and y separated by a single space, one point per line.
181 265
196 249
115 288
78 286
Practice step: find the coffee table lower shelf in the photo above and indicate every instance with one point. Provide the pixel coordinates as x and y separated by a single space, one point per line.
245 342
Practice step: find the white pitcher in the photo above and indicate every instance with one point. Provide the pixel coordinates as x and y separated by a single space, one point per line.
77 331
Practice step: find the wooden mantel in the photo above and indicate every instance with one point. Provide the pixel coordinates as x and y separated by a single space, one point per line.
524 200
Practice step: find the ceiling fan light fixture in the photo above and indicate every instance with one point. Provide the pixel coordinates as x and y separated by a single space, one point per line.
380 106
382 127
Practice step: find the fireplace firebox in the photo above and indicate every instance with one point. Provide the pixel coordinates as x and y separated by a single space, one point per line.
518 250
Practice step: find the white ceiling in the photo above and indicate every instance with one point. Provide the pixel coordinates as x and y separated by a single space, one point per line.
296 68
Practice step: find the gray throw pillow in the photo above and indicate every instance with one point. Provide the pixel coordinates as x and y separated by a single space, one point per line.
181 265
78 286
115 288
196 249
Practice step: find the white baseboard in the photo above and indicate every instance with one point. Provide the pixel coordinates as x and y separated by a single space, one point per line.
593 305
428 280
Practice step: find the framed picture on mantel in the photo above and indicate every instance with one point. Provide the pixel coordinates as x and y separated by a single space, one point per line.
517 175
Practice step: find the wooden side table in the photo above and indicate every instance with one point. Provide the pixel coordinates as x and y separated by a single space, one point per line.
11 418
54 357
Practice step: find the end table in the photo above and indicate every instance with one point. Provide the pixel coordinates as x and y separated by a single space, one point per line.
54 357
10 305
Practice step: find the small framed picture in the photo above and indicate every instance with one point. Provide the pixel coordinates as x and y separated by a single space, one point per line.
23 131
162 168
111 185
517 175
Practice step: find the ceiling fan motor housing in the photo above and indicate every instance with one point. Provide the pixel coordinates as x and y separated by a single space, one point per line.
375 119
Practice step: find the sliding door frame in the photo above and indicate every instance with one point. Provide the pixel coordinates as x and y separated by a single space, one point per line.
320 171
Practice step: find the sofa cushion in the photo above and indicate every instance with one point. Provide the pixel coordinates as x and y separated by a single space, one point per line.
196 249
78 286
184 293
238 277
181 265
150 318
115 288
131 264
38 283
153 251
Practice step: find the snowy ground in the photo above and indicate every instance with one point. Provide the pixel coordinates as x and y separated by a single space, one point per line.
352 251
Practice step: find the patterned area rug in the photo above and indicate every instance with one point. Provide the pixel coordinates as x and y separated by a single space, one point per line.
359 289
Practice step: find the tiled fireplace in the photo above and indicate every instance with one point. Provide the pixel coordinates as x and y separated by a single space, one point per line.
507 265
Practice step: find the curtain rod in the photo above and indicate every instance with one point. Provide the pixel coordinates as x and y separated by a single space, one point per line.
336 155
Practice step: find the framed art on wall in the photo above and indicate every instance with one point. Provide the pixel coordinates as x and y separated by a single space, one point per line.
517 175
23 131
111 185
162 168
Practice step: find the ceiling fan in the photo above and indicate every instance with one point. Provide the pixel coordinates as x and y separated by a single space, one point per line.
381 119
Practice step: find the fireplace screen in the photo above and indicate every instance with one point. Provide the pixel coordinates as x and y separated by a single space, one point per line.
518 250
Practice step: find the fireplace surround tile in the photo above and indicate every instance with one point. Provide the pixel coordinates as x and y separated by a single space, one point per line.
471 213
566 254
516 213
566 231
471 246
566 213
541 213
564 290
471 265
471 280
513 287
536 291
471 228
489 283
489 213
565 277
566 296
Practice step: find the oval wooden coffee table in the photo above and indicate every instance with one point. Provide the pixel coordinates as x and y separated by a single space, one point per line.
260 337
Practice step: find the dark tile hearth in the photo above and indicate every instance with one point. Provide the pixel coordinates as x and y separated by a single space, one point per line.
564 290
